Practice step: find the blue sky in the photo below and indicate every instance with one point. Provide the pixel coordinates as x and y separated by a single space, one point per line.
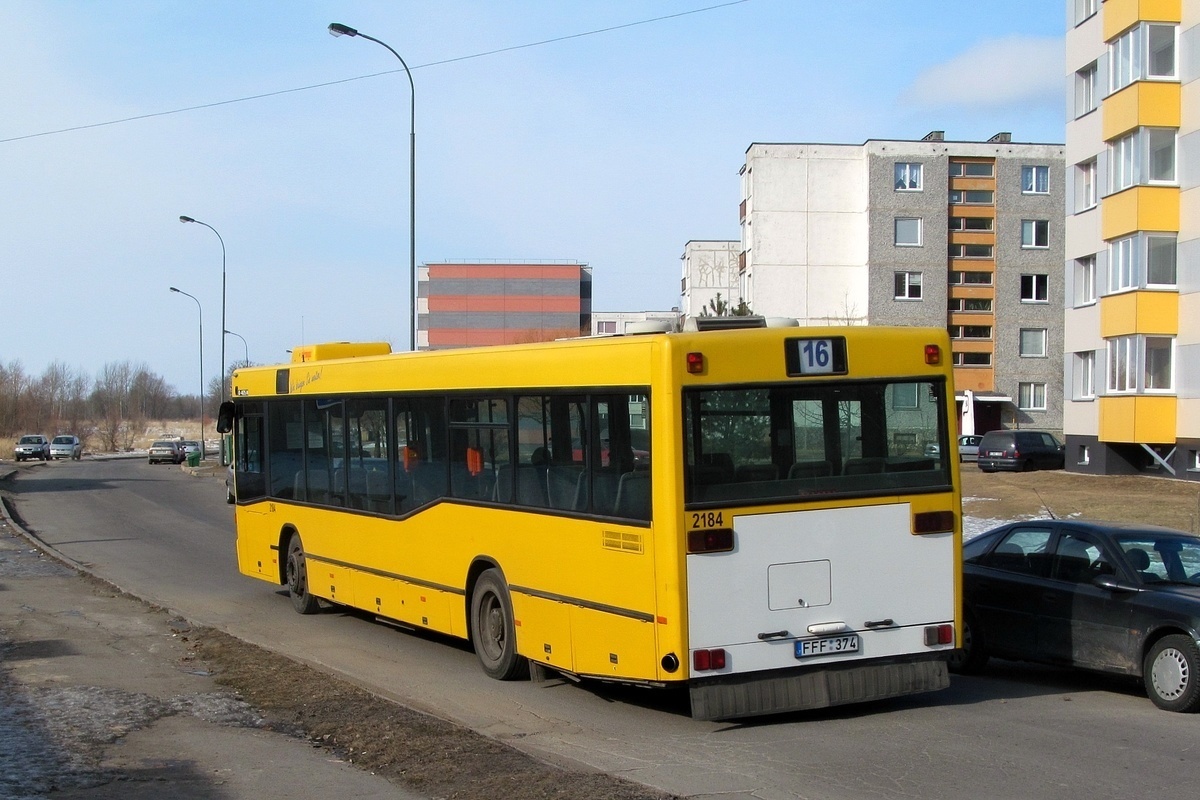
613 149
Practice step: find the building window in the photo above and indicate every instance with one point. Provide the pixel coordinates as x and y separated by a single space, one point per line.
1033 342
1035 289
1159 374
971 169
970 305
1145 52
908 232
1160 259
970 223
970 331
1085 281
606 326
1085 185
1193 460
972 359
1085 90
970 278
908 177
1035 180
908 286
970 251
1146 156
1031 396
1083 375
905 395
972 197
1085 455
1035 233
1140 363
1084 9
1144 260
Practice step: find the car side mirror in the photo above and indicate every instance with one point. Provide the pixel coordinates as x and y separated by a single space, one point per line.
225 417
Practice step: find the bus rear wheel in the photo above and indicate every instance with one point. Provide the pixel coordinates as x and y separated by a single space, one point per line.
493 633
297 579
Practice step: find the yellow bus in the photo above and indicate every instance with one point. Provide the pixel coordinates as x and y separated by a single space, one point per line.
768 517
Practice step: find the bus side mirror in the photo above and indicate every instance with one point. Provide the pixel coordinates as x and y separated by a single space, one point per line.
225 417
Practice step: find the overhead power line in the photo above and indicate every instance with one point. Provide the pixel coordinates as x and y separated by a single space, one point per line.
444 61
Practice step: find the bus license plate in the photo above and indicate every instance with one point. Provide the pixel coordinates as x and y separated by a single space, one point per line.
827 645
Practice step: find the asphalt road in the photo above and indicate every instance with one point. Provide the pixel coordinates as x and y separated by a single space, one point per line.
1017 731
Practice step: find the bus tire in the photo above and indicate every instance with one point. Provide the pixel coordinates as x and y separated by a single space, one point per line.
297 579
493 634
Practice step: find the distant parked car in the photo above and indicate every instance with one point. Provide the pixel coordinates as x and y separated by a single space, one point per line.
1020 451
32 445
191 446
968 447
166 451
1108 597
66 446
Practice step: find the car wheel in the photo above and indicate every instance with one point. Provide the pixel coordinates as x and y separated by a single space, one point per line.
971 658
297 579
493 633
1169 673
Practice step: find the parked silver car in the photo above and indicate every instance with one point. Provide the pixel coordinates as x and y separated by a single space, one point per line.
166 450
66 446
32 445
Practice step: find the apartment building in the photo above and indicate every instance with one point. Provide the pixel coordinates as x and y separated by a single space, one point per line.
965 235
1132 329
469 303
710 277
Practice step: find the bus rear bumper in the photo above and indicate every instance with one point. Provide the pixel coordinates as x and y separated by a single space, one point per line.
756 694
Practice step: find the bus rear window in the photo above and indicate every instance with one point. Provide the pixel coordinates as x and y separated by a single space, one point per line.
785 443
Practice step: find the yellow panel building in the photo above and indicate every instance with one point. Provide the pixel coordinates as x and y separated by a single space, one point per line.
1132 331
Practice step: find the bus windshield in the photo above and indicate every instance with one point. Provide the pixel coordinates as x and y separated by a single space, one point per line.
787 442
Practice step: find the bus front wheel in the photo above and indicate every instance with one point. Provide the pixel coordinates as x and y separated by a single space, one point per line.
297 579
492 631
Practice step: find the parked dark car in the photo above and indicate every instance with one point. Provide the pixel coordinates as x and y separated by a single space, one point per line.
1109 597
1020 451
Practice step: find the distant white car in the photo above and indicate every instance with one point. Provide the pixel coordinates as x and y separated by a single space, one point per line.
66 446
190 446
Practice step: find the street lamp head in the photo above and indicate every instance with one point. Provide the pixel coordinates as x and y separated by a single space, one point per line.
173 289
338 29
185 219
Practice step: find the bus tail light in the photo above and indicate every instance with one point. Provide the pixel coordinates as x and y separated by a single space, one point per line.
939 634
708 659
933 354
695 363
716 540
933 522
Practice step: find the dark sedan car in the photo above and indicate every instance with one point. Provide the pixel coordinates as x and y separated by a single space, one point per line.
1100 596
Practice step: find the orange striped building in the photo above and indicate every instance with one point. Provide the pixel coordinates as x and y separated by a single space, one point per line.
466 304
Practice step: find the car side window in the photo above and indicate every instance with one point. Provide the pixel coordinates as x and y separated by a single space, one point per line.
1079 560
1023 550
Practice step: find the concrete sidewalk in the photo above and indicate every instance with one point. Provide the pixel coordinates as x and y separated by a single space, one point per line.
101 696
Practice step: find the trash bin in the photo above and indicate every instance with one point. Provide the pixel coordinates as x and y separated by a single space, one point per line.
194 458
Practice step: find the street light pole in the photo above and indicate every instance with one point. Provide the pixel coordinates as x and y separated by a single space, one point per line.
201 313
337 29
222 241
243 338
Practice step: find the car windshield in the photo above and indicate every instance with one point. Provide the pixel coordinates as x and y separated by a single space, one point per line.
31 440
1161 558
62 440
168 445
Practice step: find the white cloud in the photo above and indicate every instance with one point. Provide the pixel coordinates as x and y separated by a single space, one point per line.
994 73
